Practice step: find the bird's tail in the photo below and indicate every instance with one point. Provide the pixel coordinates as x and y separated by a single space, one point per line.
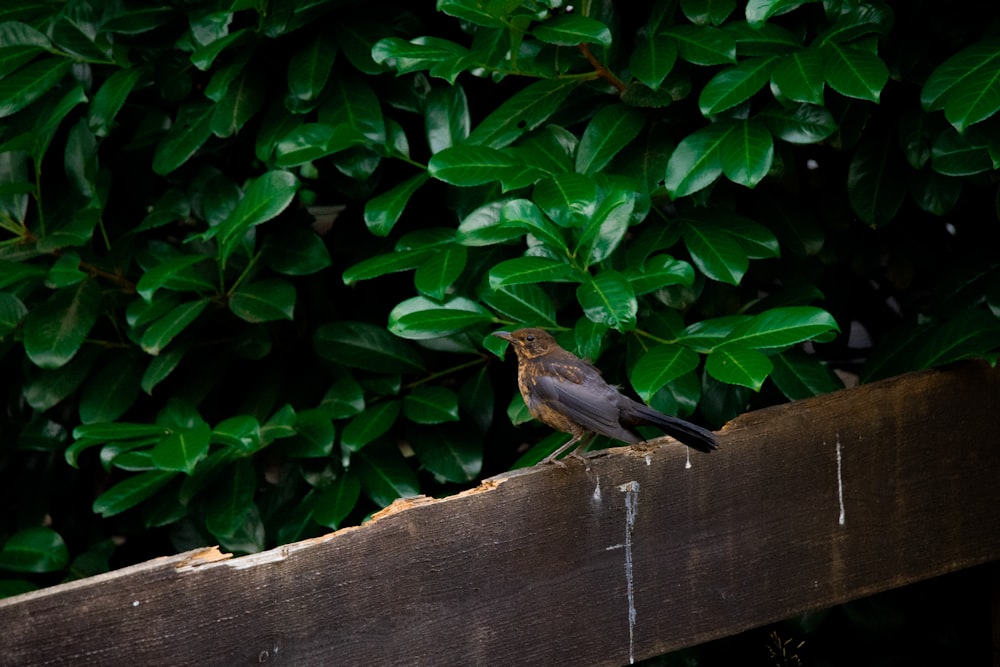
690 434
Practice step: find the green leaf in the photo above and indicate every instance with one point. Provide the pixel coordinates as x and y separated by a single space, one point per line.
524 270
608 132
735 85
453 454
875 180
226 507
739 366
704 45
780 327
446 117
381 265
608 299
469 165
343 399
336 501
421 53
264 301
385 475
353 103
27 84
716 253
55 330
131 492
111 391
314 435
955 155
572 29
523 213
299 252
759 11
265 199
798 376
971 333
12 311
47 388
652 59
747 153
702 12
484 227
109 99
660 271
526 303
431 405
312 141
242 100
805 124
853 72
800 77
366 346
308 70
522 112
160 368
183 449
371 424
966 86
421 318
440 270
173 273
605 231
570 200
35 549
697 160
659 366
191 129
160 333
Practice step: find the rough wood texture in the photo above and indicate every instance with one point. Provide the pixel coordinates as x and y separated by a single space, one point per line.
804 506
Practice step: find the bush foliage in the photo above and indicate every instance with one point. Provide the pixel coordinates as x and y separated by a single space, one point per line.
252 252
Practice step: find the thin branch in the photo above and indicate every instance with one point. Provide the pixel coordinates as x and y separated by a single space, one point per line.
599 67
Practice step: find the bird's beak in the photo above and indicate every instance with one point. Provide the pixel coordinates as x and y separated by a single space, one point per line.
506 335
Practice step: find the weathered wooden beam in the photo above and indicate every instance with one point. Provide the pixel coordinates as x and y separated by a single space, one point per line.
804 506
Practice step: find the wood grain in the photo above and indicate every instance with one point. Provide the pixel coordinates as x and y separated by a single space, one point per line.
804 506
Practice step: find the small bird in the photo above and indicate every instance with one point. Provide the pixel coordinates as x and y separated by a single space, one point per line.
567 393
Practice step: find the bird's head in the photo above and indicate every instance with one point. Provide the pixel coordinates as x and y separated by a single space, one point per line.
529 343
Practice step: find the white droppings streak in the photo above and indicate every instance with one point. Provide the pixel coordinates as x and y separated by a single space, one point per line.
631 490
597 491
649 459
840 485
687 464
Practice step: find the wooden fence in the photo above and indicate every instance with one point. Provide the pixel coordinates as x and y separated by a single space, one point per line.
804 506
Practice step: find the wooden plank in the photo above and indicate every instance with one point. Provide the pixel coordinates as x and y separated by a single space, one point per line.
804 506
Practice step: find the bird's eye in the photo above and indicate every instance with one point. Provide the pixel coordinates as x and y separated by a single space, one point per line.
529 338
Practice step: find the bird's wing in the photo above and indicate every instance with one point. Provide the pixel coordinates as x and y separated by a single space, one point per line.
580 394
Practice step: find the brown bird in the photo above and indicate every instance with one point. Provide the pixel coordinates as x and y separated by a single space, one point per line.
567 393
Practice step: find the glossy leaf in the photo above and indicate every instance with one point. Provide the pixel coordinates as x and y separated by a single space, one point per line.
805 124
452 454
446 117
35 549
800 77
525 270
469 165
875 184
264 301
526 303
608 299
734 85
525 214
966 86
659 366
781 327
704 45
523 112
431 405
660 271
608 132
130 492
369 425
27 84
160 333
182 450
697 160
798 376
570 200
191 129
308 71
853 72
384 475
716 253
759 11
605 231
739 366
55 330
265 199
336 501
747 153
955 155
652 59
226 507
440 270
300 252
111 391
366 346
420 318
110 98
572 29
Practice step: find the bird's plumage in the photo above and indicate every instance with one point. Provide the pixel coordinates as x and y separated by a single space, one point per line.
568 393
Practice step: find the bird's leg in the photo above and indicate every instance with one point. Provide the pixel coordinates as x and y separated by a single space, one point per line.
580 449
551 458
